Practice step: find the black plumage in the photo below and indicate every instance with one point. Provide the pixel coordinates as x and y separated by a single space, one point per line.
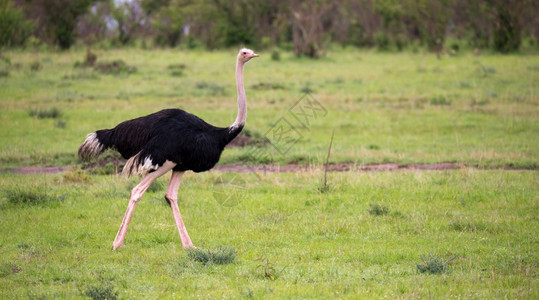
169 134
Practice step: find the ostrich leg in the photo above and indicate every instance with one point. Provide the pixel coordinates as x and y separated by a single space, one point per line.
136 195
172 196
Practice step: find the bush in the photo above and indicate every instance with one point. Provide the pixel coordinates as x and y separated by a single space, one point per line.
381 40
14 29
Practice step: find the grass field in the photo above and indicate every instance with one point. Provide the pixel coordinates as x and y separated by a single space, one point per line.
405 108
466 233
362 238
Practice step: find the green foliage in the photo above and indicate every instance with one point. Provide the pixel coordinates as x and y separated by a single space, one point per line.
508 32
220 256
129 20
168 22
431 17
14 28
62 18
58 19
305 28
381 40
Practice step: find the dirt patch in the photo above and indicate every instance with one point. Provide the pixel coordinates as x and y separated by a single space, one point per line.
240 141
39 170
247 138
343 167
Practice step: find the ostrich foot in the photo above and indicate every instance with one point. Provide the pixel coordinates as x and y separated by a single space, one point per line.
116 245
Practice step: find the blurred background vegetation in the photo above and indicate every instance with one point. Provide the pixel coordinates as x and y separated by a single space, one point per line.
304 27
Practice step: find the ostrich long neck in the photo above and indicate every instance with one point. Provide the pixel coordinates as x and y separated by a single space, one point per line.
242 102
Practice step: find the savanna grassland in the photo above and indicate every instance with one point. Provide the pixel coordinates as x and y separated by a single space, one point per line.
403 108
465 233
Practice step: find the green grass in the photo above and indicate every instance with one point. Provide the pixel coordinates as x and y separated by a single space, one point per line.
290 241
409 234
404 107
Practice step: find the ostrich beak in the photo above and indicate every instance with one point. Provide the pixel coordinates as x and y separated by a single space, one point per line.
255 55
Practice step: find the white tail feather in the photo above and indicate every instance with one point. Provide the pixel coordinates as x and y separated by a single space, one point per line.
91 147
134 166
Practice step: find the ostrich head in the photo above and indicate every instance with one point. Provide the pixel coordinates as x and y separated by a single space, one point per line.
246 54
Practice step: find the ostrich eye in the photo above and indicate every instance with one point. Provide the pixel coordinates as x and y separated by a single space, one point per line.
244 53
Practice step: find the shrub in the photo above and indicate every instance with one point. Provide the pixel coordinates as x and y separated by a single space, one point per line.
14 28
381 40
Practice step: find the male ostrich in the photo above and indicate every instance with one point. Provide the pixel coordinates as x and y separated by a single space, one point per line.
170 139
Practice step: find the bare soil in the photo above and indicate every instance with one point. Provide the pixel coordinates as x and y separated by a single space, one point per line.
343 167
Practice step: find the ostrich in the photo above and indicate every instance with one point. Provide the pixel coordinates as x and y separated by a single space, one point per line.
170 139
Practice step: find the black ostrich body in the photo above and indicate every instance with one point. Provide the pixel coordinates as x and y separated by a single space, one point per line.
169 134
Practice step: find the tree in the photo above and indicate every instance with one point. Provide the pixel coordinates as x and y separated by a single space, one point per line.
432 19
58 18
129 16
168 22
508 25
307 26
14 29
